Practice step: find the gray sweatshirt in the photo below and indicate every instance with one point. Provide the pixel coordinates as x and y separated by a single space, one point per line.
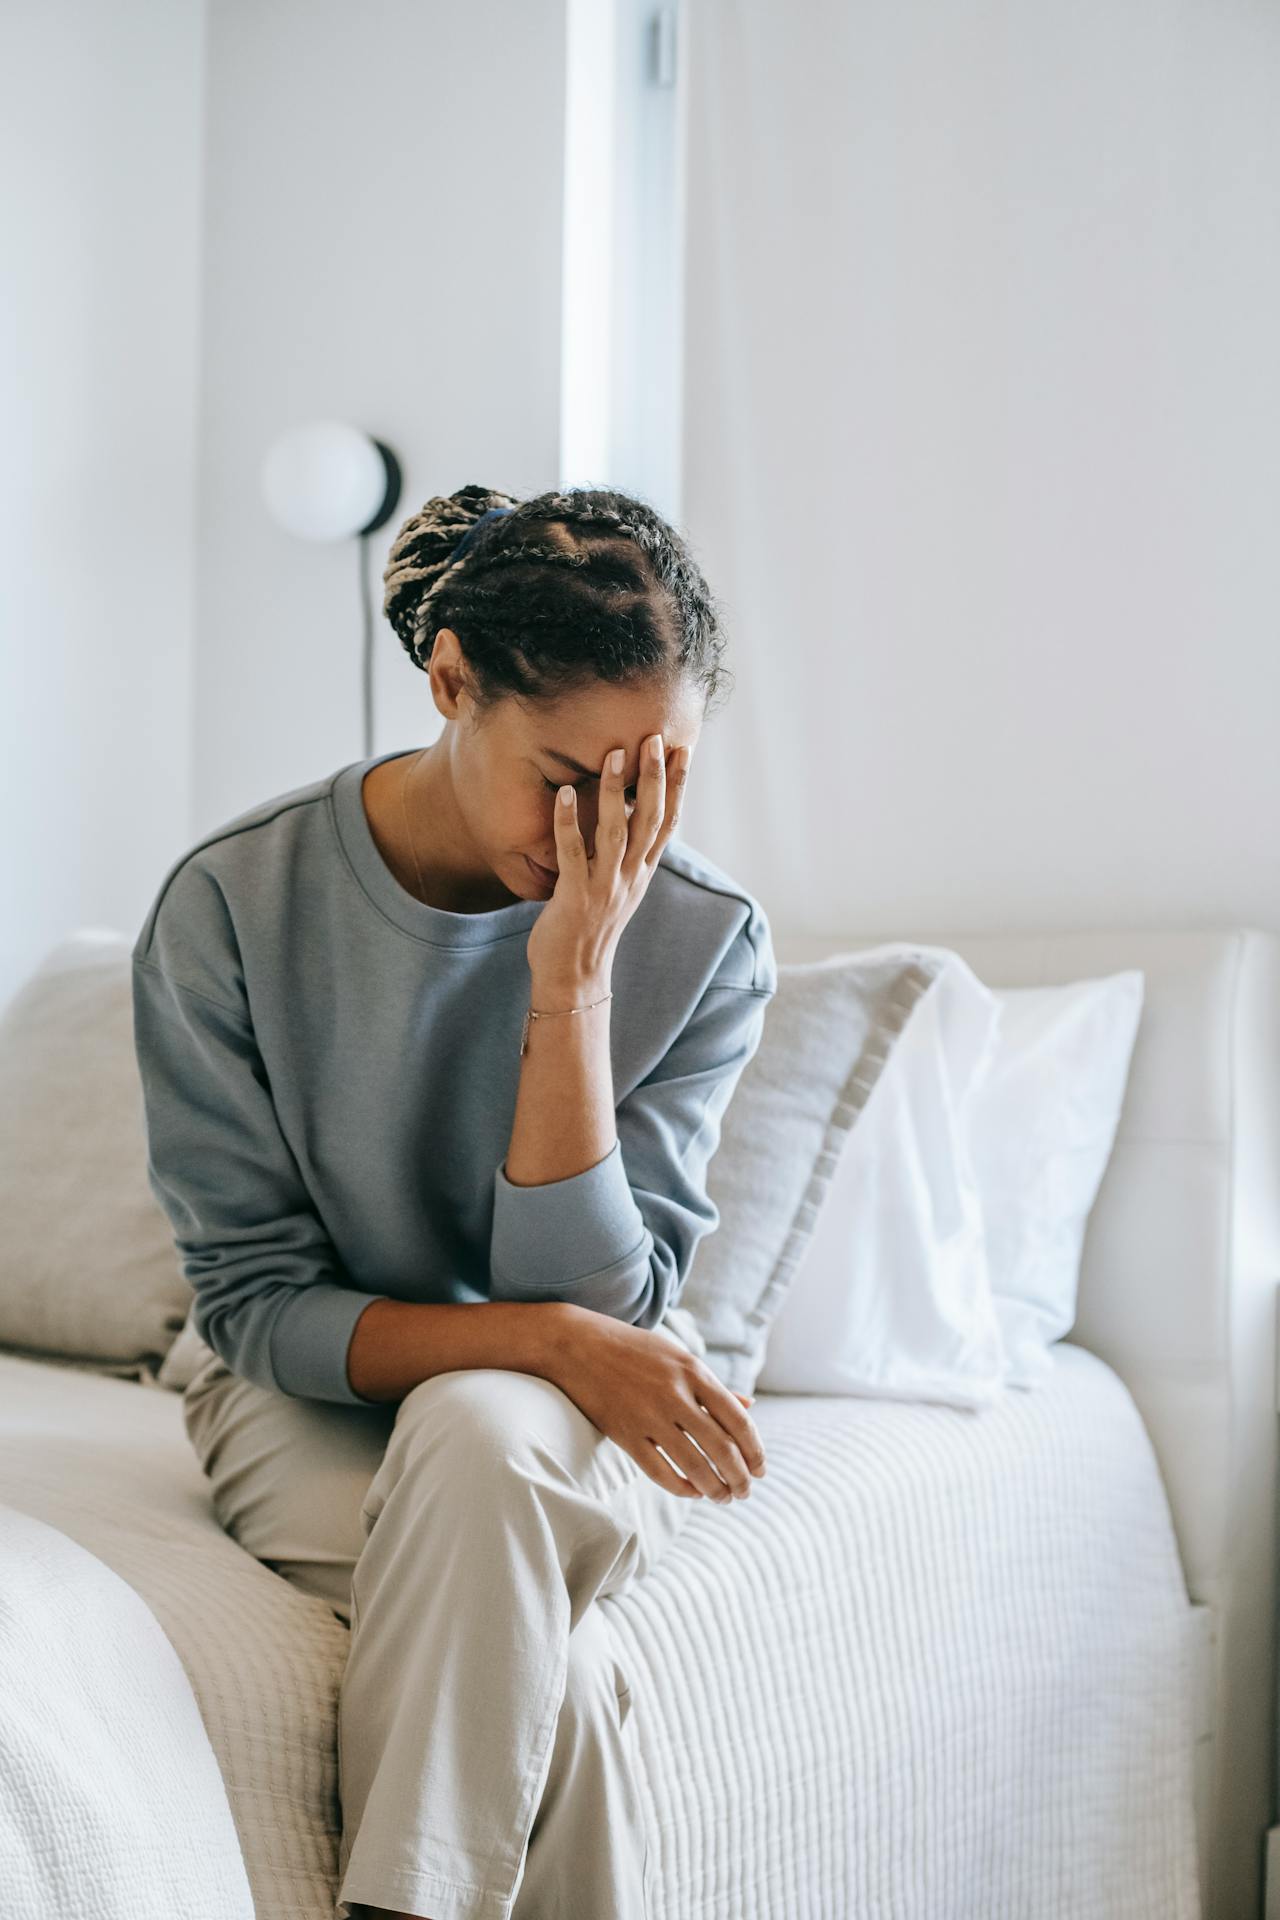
330 1067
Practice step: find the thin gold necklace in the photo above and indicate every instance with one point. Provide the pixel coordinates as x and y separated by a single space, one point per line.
404 784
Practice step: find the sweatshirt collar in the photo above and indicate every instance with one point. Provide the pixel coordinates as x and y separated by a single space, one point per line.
435 925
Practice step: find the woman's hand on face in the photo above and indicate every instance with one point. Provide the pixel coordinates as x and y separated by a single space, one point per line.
574 939
646 1392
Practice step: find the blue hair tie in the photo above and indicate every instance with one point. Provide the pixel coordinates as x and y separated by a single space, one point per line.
468 538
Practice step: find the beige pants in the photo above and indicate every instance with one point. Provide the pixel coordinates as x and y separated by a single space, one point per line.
484 1762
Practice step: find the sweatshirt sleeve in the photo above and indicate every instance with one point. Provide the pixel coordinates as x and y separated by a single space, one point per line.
270 1298
620 1236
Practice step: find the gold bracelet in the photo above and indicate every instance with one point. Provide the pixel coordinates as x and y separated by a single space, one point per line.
550 1015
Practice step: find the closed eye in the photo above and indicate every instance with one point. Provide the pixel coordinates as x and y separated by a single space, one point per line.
554 786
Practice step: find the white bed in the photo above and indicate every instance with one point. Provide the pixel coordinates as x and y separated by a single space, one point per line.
1178 1293
942 1664
937 1658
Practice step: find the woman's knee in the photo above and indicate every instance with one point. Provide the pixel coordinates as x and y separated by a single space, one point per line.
475 1434
486 1412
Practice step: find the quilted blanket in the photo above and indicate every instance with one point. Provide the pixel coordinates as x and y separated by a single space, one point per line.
111 1800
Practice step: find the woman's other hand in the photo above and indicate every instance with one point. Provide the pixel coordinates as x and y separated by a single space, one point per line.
647 1392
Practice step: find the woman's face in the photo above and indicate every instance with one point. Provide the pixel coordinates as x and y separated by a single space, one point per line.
507 766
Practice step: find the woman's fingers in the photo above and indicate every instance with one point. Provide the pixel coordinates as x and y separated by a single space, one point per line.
659 1468
660 787
677 773
729 1435
611 822
651 802
698 1466
743 1431
571 851
624 843
718 1428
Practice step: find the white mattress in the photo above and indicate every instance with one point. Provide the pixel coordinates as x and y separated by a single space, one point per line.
939 1664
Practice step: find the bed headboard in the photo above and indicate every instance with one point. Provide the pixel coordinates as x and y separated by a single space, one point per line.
1178 1294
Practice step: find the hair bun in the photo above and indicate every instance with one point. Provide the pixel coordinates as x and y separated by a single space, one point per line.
422 553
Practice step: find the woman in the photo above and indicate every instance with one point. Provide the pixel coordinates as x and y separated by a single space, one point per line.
422 1037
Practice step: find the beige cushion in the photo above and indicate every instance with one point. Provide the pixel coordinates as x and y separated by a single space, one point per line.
828 1034
88 1267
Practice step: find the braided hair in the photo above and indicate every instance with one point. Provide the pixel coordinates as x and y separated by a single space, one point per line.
566 588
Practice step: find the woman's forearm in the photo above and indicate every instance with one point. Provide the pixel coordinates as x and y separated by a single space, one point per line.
564 1116
397 1343
563 1124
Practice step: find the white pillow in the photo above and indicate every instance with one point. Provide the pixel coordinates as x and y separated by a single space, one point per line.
828 1032
891 1298
1041 1130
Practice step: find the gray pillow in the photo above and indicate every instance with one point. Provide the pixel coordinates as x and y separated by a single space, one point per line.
89 1273
828 1032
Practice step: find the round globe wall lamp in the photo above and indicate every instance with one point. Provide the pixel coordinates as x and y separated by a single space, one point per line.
330 481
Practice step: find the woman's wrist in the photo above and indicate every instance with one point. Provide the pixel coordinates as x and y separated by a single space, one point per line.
550 993
554 1334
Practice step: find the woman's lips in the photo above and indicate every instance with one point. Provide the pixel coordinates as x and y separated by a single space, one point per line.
544 874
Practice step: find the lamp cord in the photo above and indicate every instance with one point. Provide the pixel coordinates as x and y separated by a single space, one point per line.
366 616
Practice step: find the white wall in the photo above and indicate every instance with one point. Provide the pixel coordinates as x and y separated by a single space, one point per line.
383 246
982 445
100 160
983 450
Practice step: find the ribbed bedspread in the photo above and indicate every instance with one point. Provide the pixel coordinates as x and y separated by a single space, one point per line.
937 1667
